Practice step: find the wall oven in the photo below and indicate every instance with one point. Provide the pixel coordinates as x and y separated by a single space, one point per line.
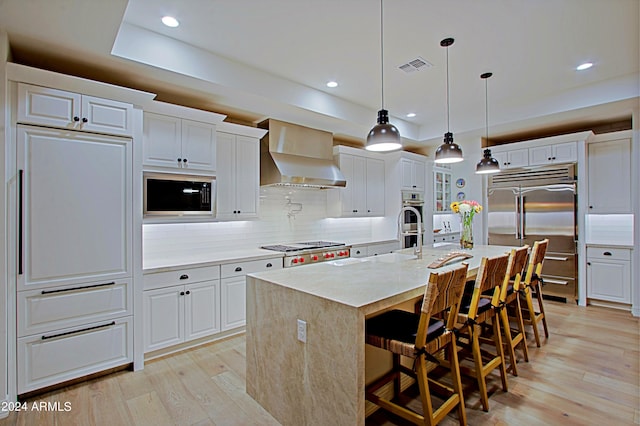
167 194
410 221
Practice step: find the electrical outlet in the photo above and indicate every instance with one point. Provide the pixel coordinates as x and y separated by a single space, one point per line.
302 331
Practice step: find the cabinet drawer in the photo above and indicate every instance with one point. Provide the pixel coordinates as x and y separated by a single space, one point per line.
244 268
180 276
55 308
608 253
48 359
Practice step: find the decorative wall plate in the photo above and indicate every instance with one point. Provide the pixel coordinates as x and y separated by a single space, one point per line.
460 183
461 196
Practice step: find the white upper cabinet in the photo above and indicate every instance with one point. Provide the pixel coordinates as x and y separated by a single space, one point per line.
364 194
178 143
609 176
238 177
59 108
553 154
512 158
413 174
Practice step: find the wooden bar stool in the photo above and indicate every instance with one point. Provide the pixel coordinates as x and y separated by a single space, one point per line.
478 309
509 298
420 337
533 282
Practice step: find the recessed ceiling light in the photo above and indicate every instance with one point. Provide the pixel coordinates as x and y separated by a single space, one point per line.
411 114
332 83
170 21
584 66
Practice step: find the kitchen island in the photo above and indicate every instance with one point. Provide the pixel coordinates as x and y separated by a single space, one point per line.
321 381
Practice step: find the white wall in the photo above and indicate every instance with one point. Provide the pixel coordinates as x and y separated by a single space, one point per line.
279 223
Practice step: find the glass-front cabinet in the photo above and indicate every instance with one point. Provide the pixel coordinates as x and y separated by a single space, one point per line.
441 189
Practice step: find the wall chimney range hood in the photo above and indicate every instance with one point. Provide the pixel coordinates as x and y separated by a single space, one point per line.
298 156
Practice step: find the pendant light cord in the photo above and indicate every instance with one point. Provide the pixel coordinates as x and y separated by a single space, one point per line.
448 130
382 50
486 110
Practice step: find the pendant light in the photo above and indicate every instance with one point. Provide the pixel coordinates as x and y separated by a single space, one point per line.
384 136
448 152
487 164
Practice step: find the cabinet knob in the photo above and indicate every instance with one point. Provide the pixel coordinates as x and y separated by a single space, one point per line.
182 293
84 119
607 253
588 263
76 119
269 265
184 277
238 269
179 160
553 158
188 292
239 212
184 160
590 207
549 158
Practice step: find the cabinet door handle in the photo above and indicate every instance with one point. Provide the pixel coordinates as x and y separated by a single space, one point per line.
184 277
269 265
78 331
238 269
77 288
607 253
20 220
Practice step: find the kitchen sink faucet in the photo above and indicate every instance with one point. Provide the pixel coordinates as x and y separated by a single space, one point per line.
418 247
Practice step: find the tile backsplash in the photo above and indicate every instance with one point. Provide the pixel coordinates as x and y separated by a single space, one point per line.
286 215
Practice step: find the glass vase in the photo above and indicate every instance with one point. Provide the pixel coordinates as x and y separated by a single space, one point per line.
466 232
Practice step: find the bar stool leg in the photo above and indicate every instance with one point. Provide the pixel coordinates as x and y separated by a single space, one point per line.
509 341
532 315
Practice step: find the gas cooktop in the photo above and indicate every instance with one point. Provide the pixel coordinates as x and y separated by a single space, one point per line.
293 247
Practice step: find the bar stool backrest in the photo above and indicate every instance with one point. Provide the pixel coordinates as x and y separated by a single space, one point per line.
515 268
536 260
490 276
443 292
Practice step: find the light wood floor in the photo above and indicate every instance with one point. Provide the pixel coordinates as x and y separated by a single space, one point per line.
587 373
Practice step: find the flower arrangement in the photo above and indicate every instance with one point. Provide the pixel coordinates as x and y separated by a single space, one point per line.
466 209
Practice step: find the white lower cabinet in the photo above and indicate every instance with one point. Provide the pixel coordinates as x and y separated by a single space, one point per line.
177 314
234 311
609 274
233 292
181 305
375 249
50 358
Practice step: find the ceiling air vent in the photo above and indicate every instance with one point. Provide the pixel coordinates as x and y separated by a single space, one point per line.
417 64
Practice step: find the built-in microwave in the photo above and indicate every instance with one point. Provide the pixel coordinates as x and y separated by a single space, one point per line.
167 194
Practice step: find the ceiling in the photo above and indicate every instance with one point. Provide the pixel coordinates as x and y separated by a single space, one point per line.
254 59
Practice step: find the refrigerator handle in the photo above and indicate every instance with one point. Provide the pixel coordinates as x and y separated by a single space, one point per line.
522 216
517 216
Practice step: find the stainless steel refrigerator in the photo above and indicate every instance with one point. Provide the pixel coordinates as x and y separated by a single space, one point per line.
527 205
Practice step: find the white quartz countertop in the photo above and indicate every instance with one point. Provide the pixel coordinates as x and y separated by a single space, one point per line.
370 283
197 258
